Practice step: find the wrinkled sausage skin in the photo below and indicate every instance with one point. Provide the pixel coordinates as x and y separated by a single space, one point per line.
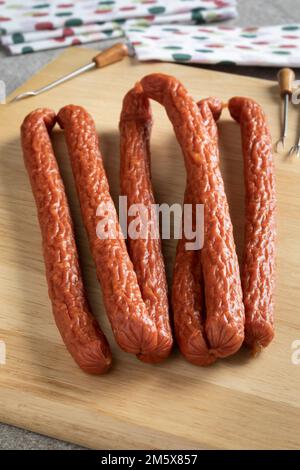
134 330
188 302
188 288
258 269
145 252
79 330
224 326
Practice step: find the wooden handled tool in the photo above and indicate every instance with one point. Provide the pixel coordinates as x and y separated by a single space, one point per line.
111 55
285 78
104 58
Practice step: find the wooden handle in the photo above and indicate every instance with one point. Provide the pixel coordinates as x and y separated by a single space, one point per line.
111 55
286 78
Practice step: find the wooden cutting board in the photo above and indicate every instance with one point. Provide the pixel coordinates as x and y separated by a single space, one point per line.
240 402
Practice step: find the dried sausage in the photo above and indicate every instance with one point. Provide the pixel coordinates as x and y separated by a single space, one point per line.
188 287
79 330
144 250
260 228
188 302
224 325
135 331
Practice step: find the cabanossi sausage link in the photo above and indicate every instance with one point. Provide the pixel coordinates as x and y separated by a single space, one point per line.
188 287
188 302
258 269
224 326
135 331
78 328
145 250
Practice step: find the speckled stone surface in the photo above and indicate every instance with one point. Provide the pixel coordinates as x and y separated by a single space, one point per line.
15 70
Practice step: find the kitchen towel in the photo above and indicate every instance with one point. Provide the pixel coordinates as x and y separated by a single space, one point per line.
264 46
62 37
21 23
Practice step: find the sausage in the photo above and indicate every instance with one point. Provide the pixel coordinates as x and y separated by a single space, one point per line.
188 287
79 330
135 331
224 325
188 302
258 270
144 251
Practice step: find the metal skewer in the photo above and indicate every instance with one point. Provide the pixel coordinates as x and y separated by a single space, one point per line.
283 137
104 58
285 79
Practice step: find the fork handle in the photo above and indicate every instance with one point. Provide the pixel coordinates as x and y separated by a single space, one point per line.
111 55
286 78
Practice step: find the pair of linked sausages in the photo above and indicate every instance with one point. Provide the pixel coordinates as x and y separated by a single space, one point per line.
215 309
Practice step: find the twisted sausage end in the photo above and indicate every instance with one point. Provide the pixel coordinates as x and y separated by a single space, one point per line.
215 106
225 338
160 353
95 358
138 337
194 348
259 335
37 116
238 104
136 106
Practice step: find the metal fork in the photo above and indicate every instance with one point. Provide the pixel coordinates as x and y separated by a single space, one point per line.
295 149
285 79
